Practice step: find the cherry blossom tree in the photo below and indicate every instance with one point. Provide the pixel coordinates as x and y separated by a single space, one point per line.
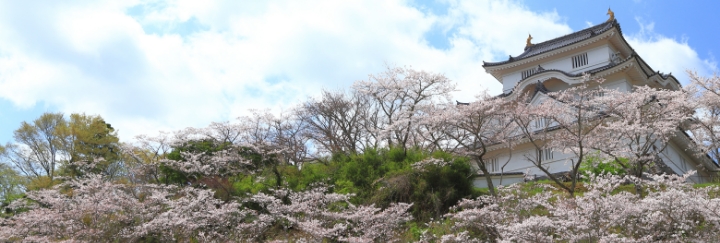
433 129
224 132
210 155
144 156
324 215
477 128
640 128
672 211
339 122
400 95
560 121
94 209
199 215
227 161
85 209
287 133
705 127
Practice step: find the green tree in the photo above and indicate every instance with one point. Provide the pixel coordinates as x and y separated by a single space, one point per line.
82 144
12 184
90 145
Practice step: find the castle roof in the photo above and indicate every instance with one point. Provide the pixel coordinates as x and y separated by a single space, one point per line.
566 40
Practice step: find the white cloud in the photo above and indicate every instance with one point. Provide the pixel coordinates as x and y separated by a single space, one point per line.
166 65
668 55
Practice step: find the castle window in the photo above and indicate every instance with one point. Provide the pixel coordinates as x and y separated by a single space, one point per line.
598 93
580 60
542 122
493 165
528 72
545 154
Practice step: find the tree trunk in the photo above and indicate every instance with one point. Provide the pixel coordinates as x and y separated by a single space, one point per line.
488 179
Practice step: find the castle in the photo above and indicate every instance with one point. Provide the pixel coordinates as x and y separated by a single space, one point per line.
559 63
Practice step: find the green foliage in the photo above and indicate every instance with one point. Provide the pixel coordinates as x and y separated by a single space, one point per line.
302 178
79 145
709 184
88 138
427 232
380 177
386 176
12 185
359 173
477 191
593 164
41 182
250 184
440 187
172 176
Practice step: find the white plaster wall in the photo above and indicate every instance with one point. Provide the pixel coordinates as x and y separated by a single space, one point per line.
481 182
519 163
620 85
680 162
559 64
597 57
510 80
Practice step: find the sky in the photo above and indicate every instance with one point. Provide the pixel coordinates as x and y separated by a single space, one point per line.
150 66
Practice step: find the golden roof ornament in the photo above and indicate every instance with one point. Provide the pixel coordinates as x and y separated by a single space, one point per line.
612 15
528 44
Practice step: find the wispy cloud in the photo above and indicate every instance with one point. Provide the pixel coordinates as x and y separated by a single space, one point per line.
667 54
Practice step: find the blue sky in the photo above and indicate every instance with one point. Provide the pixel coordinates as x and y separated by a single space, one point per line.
147 66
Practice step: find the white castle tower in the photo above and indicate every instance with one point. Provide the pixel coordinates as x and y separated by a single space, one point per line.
557 64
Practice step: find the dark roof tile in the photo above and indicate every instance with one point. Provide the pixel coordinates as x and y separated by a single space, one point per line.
559 42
